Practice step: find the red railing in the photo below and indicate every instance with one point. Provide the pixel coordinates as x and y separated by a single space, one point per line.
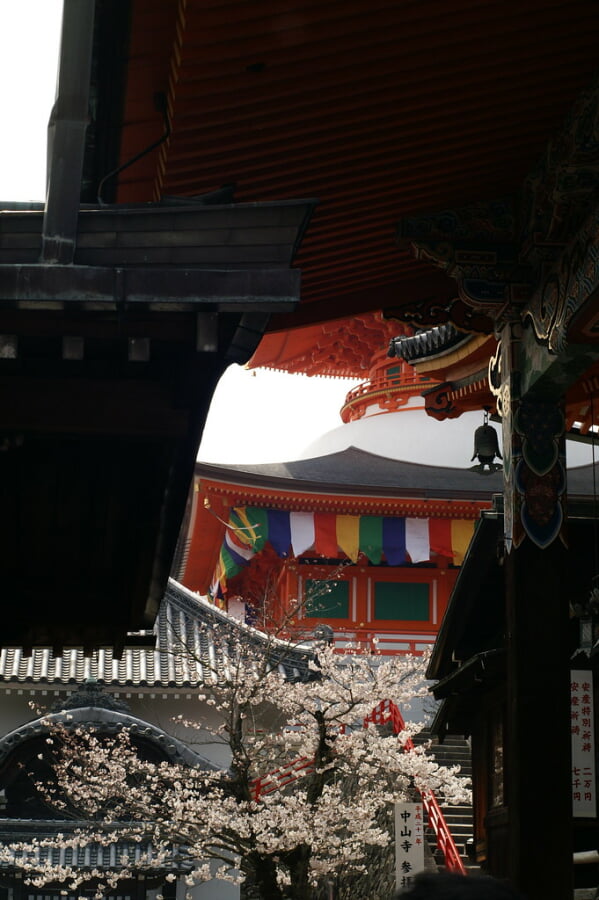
383 713
387 711
280 778
396 389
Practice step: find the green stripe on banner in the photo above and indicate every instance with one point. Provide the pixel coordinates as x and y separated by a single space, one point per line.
371 537
259 518
228 563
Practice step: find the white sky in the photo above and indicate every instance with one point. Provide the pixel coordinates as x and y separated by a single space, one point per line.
255 417
265 416
30 39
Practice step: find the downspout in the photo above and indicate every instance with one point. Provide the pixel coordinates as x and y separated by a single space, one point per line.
66 133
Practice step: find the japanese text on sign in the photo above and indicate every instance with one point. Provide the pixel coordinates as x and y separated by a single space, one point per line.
409 842
584 794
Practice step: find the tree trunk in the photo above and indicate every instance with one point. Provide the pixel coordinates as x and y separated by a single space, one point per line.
299 870
261 881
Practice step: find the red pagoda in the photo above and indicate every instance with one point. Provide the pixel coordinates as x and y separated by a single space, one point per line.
359 541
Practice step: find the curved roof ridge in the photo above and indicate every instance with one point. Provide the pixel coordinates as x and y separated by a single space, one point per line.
107 721
186 654
355 471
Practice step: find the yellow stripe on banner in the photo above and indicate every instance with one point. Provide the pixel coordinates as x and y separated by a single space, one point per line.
220 574
461 535
348 535
248 535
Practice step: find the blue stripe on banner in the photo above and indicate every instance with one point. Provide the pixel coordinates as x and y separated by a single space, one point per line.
279 531
240 555
394 540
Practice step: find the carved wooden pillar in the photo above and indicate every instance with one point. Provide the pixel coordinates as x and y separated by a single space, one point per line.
530 271
537 735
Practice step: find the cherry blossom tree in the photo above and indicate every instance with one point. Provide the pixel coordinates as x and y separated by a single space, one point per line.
300 715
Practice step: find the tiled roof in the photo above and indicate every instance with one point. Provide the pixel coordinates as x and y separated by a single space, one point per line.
355 471
185 655
427 343
106 722
87 855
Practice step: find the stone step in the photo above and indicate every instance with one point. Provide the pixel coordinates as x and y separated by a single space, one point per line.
453 751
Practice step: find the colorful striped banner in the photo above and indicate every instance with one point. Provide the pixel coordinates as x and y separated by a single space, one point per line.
395 539
348 536
325 535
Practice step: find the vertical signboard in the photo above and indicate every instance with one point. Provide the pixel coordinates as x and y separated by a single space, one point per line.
584 792
409 842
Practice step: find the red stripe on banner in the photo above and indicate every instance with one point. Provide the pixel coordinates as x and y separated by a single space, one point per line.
440 537
325 534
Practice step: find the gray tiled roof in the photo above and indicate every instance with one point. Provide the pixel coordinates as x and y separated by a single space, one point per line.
107 722
87 855
357 472
185 655
428 342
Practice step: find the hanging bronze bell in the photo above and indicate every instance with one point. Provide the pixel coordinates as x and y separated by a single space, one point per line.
486 448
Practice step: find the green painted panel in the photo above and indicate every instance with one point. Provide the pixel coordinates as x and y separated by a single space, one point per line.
327 599
407 602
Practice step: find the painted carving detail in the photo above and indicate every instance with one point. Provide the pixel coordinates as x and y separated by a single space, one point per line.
476 245
566 286
439 404
543 264
539 472
562 190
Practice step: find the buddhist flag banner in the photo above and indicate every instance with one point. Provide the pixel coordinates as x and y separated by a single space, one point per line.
439 531
417 540
241 536
302 531
279 531
348 535
394 539
227 567
245 535
325 534
257 525
461 535
371 538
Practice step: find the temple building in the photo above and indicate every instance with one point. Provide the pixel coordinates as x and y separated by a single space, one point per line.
448 157
151 692
349 536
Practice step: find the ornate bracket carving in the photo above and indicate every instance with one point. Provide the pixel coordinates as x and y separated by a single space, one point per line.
566 286
544 265
475 245
439 404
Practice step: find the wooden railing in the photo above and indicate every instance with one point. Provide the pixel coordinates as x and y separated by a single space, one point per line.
367 640
384 713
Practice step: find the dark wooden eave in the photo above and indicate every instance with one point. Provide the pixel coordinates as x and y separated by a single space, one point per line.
474 622
380 109
107 368
478 578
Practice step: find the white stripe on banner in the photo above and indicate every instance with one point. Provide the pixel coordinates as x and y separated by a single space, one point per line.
417 540
302 531
237 547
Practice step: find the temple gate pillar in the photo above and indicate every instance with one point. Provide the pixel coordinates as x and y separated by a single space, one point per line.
527 270
537 763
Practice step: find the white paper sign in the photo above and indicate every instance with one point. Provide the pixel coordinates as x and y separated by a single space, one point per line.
584 792
409 842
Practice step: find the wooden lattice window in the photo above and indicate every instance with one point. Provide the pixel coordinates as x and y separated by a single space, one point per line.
406 602
326 599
